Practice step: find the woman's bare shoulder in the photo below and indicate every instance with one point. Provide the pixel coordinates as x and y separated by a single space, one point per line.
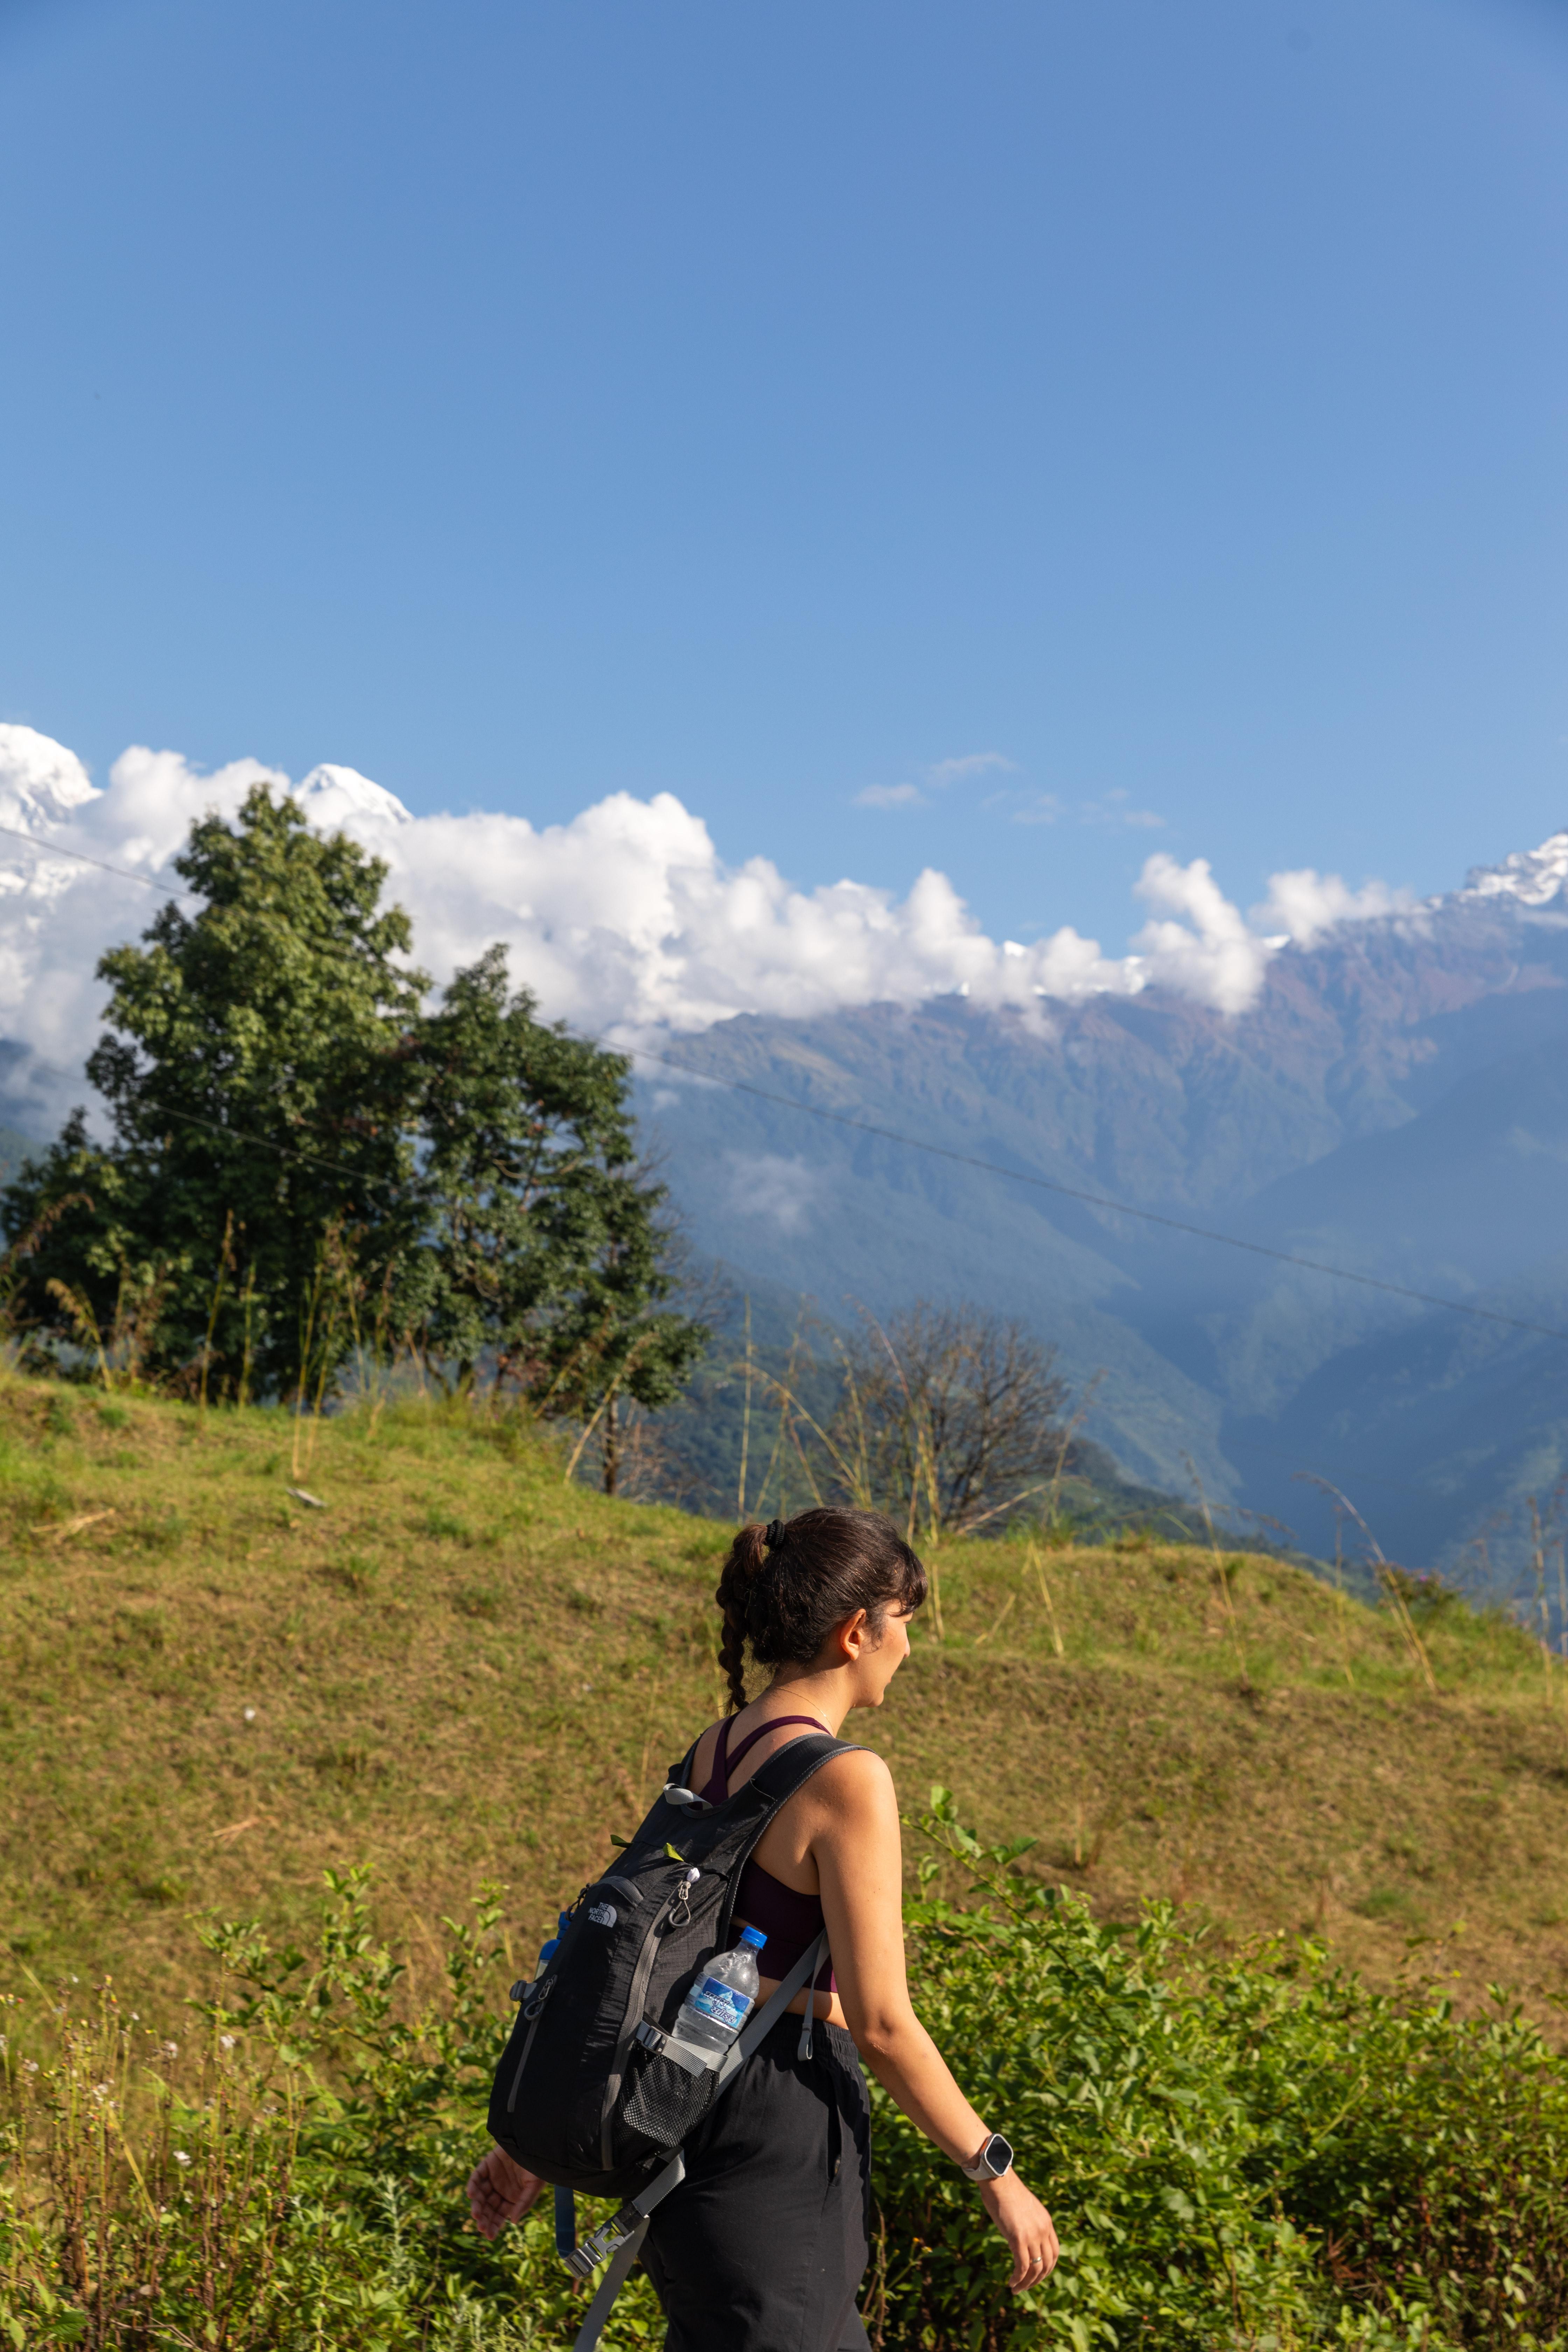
858 1781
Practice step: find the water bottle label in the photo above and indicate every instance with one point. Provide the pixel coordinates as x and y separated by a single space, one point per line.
725 2004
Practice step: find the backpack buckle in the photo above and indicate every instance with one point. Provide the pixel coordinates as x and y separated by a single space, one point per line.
607 2240
652 2037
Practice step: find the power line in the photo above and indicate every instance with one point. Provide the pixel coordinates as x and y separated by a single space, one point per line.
1100 1201
58 849
889 1134
284 1151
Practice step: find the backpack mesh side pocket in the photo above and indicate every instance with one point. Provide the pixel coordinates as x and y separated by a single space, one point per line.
662 2101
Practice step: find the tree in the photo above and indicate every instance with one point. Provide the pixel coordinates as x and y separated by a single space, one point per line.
949 1416
292 1132
542 1244
255 1070
616 1339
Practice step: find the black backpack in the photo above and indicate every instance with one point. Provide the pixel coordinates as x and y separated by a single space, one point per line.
582 2095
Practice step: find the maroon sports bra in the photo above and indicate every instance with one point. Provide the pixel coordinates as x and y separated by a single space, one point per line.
790 1921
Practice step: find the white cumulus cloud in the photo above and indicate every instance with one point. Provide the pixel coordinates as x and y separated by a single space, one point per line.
1303 905
1204 948
623 921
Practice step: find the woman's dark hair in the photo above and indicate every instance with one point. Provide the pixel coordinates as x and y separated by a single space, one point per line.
784 1587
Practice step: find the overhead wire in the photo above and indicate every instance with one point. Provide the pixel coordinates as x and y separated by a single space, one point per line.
126 873
887 1134
1102 1200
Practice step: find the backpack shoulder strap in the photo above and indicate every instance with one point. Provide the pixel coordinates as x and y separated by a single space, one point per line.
794 1763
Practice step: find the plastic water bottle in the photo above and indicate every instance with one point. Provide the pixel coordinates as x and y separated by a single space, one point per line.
716 2007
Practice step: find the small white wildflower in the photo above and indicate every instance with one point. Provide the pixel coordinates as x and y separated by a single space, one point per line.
226 2041
180 2157
100 2090
171 2049
250 1714
29 2065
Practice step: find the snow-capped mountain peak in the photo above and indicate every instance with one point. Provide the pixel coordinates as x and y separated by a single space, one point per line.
1533 876
331 796
40 782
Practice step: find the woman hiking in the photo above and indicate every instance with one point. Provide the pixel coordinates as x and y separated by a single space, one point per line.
762 2246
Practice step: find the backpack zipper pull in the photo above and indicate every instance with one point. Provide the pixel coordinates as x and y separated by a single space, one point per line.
680 1909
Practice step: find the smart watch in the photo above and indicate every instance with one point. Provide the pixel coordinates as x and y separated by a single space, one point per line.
994 2159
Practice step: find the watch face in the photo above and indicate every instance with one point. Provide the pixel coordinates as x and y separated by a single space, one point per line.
998 2153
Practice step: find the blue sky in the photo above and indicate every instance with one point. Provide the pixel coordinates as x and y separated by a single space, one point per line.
781 405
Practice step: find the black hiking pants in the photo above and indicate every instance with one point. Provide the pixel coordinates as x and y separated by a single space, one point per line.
762 2246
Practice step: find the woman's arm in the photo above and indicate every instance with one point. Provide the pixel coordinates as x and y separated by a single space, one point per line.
857 1851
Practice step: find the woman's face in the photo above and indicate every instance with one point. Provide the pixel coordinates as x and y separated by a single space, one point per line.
884 1653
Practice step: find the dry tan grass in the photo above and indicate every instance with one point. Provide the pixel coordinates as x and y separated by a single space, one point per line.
463 1668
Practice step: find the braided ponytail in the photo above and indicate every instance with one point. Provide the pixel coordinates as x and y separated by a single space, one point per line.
735 1580
784 1587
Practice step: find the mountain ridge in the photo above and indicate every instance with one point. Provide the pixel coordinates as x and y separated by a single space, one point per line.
1372 1107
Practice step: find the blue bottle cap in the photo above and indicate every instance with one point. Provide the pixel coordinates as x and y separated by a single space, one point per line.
755 1937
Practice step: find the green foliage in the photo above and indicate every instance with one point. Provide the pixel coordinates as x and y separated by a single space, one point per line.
294 2181
253 1070
305 1164
1247 2153
540 1244
1258 2152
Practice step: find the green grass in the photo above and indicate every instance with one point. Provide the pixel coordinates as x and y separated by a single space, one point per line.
464 1667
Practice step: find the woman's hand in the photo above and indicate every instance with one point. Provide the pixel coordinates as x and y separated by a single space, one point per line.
1027 2228
500 2191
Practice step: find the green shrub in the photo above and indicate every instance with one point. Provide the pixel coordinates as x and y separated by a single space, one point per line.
1253 2152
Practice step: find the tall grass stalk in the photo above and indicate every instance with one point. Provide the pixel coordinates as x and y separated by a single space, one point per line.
1342 1611
1222 1574
84 1324
1390 1583
321 1315
1035 1559
225 1268
785 1392
248 1334
745 1420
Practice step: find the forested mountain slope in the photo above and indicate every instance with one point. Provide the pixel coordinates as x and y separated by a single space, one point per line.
1395 1102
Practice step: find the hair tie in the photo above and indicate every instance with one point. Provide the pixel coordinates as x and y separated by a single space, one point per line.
773 1535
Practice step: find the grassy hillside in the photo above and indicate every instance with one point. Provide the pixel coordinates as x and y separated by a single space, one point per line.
462 1667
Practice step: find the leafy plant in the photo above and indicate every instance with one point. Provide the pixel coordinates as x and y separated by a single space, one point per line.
253 1072
309 1166
1255 2152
